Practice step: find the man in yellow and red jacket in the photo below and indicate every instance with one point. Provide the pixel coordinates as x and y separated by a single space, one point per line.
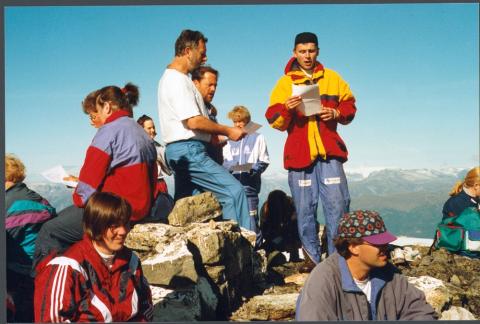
314 153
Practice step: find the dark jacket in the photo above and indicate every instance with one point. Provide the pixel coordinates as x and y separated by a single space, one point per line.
331 294
26 211
455 205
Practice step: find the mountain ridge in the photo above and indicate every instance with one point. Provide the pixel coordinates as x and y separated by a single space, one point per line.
409 200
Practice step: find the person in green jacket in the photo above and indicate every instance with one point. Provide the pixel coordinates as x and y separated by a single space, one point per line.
357 282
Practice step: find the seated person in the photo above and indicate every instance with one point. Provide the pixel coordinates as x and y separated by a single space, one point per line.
97 279
163 202
357 282
250 149
25 212
278 224
121 159
464 194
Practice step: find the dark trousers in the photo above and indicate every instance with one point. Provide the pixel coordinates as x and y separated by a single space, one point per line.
20 288
59 233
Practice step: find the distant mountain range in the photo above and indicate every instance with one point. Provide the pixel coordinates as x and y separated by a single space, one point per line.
410 201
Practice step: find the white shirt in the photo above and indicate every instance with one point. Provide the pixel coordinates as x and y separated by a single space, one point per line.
365 286
178 100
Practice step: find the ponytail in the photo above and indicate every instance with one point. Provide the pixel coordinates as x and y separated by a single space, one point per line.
457 188
131 93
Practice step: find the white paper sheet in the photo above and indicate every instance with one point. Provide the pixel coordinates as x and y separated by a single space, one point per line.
56 175
311 104
251 127
242 167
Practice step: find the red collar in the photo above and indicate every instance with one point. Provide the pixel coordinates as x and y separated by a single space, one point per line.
117 114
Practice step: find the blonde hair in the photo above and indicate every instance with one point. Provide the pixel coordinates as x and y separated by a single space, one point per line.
239 113
14 169
472 178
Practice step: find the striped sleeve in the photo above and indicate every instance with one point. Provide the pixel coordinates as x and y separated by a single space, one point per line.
92 174
144 297
278 116
58 290
346 105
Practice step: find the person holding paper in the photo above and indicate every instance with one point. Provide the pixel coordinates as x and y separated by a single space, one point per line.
250 151
314 153
187 130
121 159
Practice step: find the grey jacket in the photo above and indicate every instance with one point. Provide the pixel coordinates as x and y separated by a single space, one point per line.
331 294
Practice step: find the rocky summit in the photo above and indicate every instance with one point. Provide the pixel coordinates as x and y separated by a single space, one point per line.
203 268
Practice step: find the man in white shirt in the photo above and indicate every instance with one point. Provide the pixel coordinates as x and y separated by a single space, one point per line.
205 79
187 130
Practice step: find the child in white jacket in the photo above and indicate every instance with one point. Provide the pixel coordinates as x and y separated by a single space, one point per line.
251 153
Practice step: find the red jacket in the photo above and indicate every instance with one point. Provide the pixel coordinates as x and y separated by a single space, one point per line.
310 137
79 287
121 159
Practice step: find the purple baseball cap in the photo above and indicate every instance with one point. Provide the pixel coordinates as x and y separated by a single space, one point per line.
364 224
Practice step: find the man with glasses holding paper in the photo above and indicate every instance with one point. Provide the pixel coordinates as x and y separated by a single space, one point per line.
308 102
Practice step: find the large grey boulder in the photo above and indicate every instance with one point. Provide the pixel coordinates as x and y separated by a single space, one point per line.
195 209
172 262
207 267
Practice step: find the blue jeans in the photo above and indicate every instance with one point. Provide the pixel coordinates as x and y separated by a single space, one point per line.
325 180
254 221
194 171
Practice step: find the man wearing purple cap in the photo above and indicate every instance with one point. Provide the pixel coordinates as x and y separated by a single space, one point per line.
357 282
314 153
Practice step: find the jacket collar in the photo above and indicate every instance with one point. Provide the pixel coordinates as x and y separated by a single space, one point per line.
121 258
117 114
292 69
378 277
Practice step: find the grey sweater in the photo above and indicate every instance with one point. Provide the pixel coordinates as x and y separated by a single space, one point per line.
331 294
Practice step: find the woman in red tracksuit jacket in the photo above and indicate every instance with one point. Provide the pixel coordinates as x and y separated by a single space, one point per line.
97 279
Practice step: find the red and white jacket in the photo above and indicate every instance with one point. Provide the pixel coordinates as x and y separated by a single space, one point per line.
79 287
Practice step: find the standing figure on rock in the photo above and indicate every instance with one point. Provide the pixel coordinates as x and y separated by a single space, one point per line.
187 130
314 152
121 159
464 194
205 79
163 201
97 279
252 149
25 212
357 283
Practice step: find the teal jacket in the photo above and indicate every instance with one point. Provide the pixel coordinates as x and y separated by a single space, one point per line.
26 211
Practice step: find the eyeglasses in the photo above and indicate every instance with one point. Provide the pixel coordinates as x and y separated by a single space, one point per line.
92 116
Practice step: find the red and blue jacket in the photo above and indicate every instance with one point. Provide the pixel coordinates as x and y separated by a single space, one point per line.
121 159
79 287
310 137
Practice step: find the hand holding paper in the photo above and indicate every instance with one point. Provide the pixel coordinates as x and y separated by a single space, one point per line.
57 175
311 104
251 127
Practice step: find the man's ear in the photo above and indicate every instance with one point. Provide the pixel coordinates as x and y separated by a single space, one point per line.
354 249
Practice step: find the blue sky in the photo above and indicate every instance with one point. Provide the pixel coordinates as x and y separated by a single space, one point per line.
413 69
